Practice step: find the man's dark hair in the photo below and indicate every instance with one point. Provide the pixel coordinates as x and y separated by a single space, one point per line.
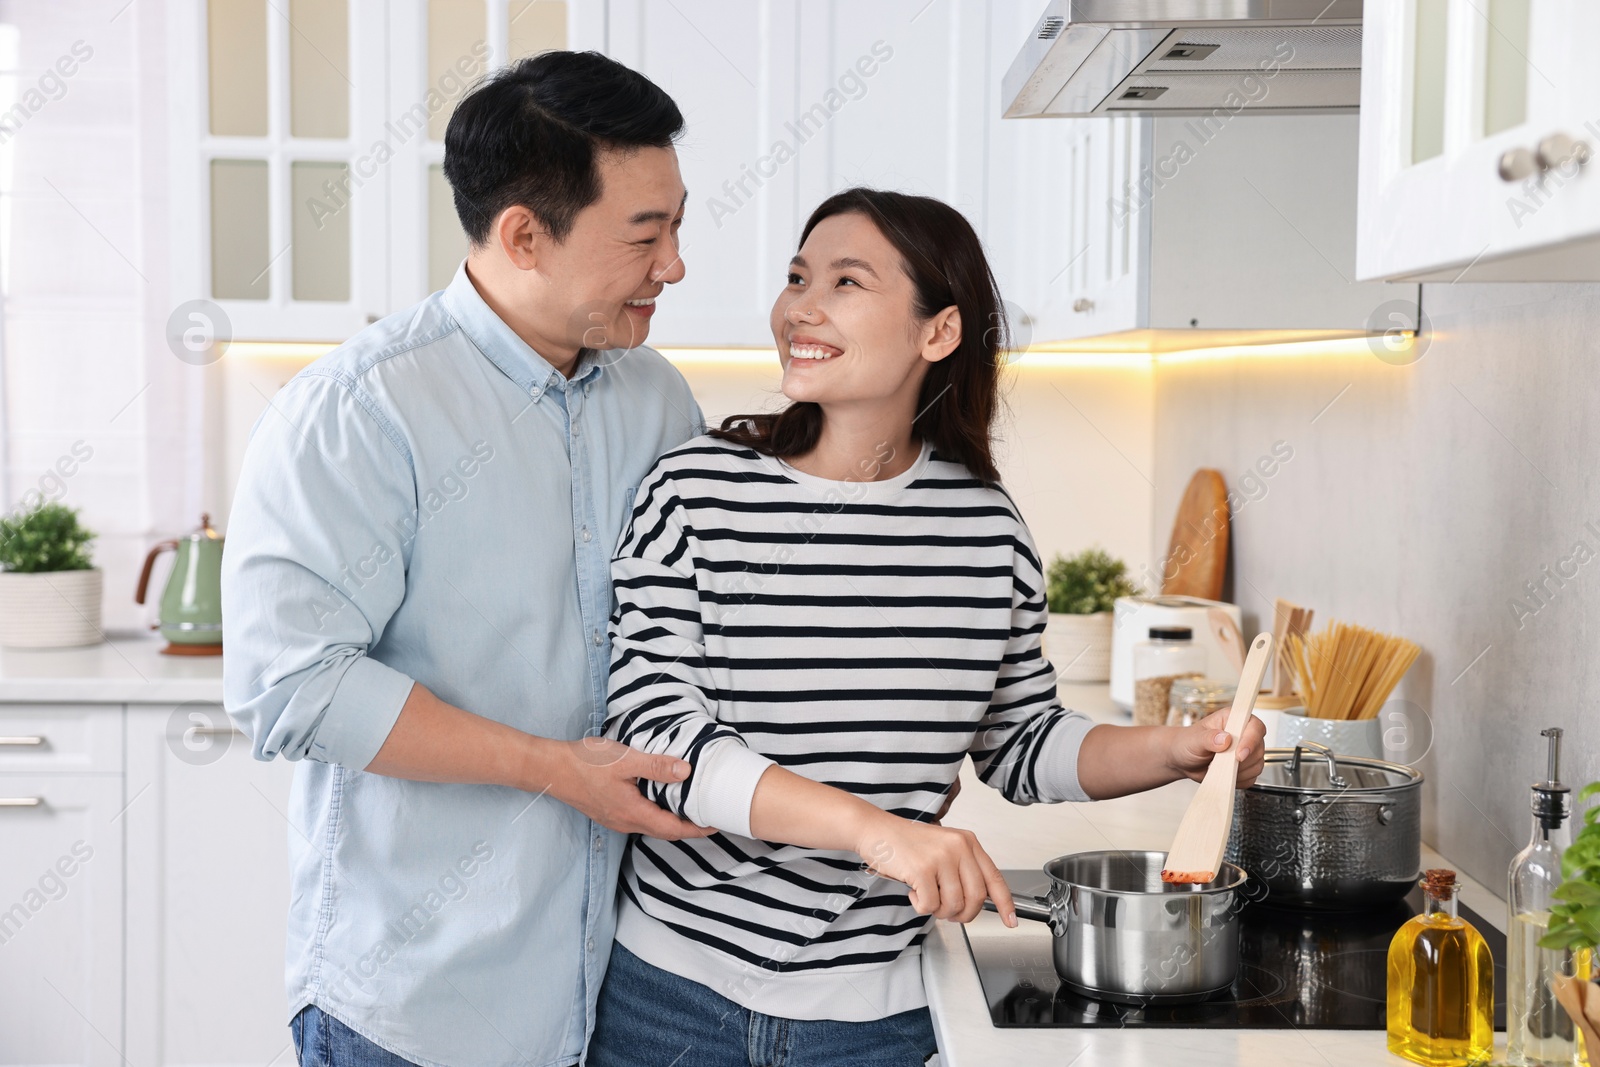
530 134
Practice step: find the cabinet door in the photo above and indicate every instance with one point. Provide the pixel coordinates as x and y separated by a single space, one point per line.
279 169
1086 225
436 50
1065 223
61 959
894 95
1448 89
208 892
730 65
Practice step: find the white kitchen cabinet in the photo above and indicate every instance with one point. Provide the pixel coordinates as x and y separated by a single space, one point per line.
788 102
306 137
731 67
61 919
60 739
1464 170
208 893
1172 232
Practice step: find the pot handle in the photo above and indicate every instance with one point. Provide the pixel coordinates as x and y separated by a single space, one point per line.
1028 907
1334 778
149 562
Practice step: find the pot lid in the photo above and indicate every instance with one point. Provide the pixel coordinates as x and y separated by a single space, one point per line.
1321 771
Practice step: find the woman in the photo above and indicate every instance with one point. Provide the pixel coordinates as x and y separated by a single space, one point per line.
825 611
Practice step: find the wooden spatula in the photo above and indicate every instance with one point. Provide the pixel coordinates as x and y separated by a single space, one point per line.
1196 851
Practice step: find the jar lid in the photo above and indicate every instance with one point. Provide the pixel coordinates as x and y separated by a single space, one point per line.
1202 691
1316 770
1171 633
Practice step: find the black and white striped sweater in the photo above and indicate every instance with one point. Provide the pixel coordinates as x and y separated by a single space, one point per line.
867 634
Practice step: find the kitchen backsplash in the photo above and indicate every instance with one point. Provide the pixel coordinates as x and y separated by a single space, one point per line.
1451 499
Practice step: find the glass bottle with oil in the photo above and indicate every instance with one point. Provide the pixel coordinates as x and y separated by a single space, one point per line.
1441 983
1538 1031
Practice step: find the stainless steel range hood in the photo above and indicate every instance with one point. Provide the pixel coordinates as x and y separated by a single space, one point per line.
1187 57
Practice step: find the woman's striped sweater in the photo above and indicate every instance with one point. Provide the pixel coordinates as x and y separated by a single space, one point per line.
869 635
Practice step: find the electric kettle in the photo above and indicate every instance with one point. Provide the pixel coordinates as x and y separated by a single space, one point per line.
190 613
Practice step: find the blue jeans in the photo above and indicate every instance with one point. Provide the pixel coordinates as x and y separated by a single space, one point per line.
652 1018
320 1040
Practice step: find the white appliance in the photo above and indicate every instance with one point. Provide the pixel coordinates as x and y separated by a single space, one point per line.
1131 620
1187 57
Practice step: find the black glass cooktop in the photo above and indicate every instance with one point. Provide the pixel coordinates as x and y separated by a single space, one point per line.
1297 969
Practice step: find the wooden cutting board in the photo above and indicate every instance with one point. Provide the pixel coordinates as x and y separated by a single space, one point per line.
1197 556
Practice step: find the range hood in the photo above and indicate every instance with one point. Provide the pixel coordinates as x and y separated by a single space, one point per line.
1187 57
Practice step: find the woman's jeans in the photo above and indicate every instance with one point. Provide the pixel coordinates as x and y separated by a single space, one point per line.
652 1018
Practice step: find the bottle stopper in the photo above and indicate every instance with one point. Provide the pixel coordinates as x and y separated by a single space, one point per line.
1439 883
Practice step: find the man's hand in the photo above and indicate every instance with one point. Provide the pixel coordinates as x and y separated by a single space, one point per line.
1194 746
947 871
949 799
599 777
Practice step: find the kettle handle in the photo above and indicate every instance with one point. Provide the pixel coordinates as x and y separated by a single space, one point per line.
150 561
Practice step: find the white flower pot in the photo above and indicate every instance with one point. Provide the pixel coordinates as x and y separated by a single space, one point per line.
53 609
1079 646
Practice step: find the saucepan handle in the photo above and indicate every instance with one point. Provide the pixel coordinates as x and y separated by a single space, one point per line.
1028 907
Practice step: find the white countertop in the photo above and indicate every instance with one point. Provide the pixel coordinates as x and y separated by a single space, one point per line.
126 668
1030 837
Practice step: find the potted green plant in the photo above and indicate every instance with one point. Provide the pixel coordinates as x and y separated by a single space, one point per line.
1575 924
49 588
1081 591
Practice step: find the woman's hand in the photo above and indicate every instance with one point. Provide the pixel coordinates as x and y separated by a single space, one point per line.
1194 746
947 871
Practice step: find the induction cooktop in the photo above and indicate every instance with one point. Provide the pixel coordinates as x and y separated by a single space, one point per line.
1297 970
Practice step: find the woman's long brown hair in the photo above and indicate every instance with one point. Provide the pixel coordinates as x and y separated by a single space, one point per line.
944 260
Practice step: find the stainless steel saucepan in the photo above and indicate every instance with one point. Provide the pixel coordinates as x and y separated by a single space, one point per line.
1124 935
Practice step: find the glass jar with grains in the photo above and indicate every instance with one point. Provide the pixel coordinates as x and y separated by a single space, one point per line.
1169 654
1192 699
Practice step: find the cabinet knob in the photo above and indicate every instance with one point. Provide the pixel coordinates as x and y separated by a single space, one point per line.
1517 164
1557 150
1082 304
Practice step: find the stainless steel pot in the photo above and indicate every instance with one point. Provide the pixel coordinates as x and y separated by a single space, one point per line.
1124 935
1329 831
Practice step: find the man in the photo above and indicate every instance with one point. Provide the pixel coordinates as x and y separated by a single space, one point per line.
417 587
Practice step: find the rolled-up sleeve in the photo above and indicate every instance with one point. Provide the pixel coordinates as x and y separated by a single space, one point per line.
313 569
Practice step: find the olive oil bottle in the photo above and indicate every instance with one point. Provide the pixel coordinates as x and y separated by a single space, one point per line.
1539 1033
1441 983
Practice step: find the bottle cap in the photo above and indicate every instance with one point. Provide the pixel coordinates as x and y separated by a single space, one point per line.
1550 797
1171 633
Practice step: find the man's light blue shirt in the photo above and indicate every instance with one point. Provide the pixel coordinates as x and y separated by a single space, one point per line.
433 502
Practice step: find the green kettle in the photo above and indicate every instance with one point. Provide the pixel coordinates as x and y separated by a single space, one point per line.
190 614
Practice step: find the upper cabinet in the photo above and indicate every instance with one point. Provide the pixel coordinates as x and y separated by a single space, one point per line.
1162 233
787 101
307 194
1478 127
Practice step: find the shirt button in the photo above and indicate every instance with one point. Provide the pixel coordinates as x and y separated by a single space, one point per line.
589 944
534 392
586 535
599 844
597 638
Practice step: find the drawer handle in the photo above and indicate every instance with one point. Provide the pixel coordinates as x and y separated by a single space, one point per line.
21 802
22 741
212 731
